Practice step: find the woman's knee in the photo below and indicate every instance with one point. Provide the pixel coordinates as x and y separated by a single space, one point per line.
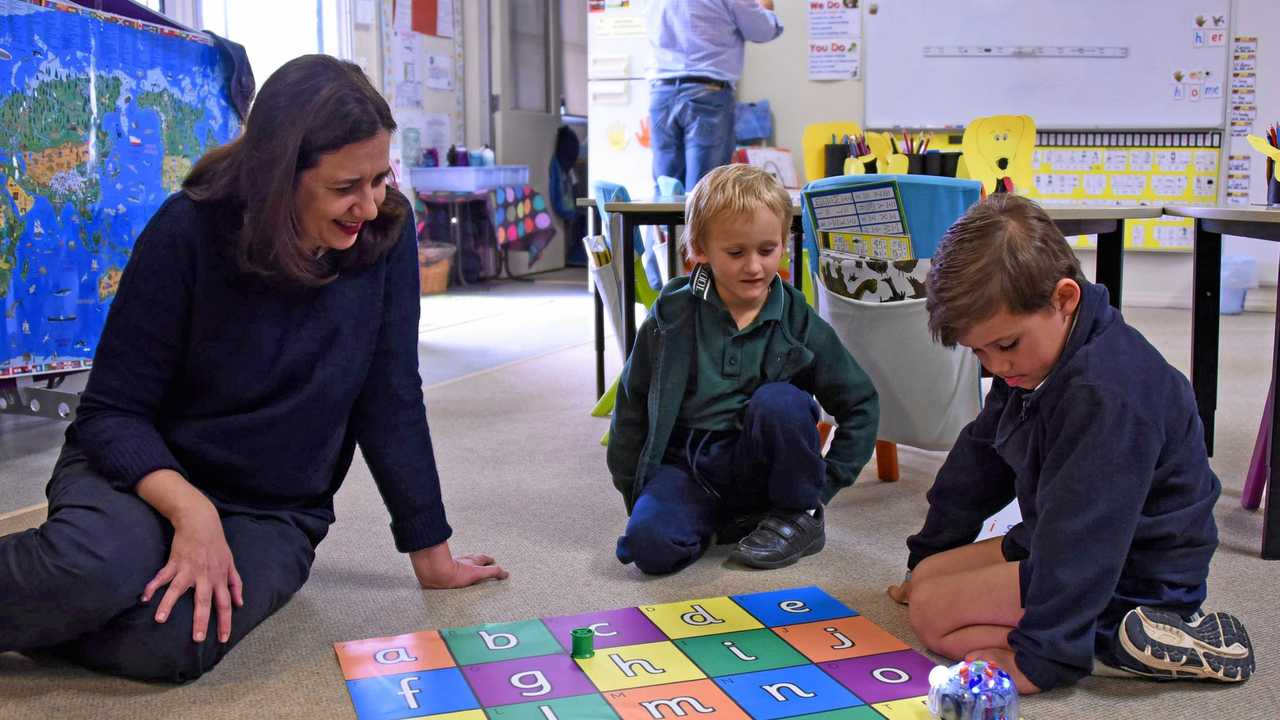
96 556
161 657
135 646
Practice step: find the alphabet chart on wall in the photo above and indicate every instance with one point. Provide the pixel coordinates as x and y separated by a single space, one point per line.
1130 168
796 653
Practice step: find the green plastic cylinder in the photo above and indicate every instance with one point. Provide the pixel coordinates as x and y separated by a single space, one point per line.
583 643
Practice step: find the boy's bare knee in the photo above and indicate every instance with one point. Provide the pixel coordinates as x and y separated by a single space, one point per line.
923 612
926 568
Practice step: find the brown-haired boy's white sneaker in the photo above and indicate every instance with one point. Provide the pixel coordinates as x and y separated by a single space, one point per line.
1161 644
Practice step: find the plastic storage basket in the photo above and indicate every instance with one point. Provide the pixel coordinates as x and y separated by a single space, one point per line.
467 178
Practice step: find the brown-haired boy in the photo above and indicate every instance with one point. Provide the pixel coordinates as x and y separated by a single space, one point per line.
1099 439
714 431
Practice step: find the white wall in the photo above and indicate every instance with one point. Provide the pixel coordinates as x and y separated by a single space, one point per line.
1260 18
778 71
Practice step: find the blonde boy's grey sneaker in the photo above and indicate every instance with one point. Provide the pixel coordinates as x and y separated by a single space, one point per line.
1161 644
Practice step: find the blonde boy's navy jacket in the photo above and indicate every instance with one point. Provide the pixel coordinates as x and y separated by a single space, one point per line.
1108 463
805 353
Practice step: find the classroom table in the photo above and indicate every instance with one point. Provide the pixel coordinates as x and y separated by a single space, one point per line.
594 228
1211 224
669 211
1108 224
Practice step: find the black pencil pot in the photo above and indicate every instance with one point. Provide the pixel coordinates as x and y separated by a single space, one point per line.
915 164
950 163
933 163
833 157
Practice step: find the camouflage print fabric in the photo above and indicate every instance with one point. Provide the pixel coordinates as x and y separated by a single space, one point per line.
872 280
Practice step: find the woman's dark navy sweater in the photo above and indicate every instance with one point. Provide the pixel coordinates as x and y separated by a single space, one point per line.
257 394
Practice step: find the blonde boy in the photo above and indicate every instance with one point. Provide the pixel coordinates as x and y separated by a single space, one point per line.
714 432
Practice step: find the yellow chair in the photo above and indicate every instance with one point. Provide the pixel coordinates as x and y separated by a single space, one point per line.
815 136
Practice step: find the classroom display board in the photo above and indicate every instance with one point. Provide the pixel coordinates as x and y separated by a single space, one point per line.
1084 64
1130 168
796 653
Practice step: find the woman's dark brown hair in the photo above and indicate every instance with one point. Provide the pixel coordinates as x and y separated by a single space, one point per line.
313 105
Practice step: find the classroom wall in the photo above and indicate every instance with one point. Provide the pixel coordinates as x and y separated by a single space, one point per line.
778 71
1260 18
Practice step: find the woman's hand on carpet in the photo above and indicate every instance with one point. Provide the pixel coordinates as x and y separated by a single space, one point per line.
437 568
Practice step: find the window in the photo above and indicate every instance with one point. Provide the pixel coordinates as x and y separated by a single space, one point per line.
573 46
529 53
275 32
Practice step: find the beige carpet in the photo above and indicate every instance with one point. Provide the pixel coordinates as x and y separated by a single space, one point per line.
525 481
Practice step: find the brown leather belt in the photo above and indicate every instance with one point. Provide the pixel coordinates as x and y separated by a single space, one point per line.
697 79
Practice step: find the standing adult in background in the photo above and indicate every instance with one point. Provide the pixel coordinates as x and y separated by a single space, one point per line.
266 324
697 51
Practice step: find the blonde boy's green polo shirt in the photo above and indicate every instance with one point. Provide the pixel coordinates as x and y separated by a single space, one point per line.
729 362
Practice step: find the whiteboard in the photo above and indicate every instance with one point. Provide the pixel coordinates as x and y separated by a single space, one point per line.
958 80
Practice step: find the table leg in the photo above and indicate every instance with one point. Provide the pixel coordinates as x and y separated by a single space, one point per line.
455 229
1109 269
1206 284
594 220
628 256
673 270
797 253
1271 513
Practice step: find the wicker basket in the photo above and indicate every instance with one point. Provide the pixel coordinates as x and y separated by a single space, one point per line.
434 261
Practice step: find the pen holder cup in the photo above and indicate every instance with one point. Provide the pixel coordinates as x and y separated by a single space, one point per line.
1273 190
915 164
833 157
950 162
933 163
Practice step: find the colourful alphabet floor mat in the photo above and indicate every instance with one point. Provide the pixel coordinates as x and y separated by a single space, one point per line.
796 653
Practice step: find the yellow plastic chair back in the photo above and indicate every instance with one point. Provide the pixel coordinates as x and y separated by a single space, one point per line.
815 136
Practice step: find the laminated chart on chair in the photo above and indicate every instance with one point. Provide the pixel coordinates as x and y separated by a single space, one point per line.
865 219
797 653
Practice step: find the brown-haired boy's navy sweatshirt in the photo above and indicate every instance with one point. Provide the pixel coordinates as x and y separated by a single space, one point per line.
1107 461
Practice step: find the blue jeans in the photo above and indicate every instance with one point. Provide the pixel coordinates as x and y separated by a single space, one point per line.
774 463
71 587
691 130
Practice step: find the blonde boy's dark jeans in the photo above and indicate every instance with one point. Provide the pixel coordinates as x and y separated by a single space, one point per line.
706 478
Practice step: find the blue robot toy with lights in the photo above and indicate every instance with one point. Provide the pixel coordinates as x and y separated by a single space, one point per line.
976 690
